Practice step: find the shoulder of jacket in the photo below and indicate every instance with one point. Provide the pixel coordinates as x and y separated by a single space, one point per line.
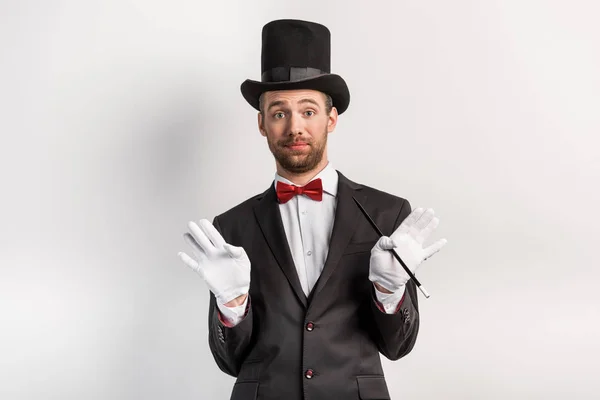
382 197
242 209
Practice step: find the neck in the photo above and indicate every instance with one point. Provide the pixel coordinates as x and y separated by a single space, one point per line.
302 178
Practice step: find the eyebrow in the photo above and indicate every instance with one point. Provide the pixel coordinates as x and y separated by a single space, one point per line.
281 102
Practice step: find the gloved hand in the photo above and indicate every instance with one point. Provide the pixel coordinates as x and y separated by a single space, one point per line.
407 240
224 268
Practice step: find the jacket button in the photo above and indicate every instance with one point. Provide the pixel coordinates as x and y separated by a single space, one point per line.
309 373
310 326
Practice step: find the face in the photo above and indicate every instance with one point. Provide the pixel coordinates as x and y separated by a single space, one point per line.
296 125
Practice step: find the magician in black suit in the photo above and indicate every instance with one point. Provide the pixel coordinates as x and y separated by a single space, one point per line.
304 294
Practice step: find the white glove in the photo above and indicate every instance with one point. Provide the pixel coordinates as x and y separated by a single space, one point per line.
224 268
407 240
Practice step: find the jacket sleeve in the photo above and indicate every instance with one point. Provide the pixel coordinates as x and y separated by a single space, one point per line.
395 334
229 345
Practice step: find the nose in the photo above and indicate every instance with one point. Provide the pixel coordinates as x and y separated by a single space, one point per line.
296 125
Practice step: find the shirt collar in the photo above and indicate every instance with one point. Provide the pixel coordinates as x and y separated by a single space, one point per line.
328 175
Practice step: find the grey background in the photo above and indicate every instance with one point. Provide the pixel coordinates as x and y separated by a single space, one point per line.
121 121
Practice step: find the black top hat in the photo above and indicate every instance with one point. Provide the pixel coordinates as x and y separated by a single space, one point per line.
296 55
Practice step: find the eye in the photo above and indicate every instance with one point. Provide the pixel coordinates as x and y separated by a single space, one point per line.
309 113
278 115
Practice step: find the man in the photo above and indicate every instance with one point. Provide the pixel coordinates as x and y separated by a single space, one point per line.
304 295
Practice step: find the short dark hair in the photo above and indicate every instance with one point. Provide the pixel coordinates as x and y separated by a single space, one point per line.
328 103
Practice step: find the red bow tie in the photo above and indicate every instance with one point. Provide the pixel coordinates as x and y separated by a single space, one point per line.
314 190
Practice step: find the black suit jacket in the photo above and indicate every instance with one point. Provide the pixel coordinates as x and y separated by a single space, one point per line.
273 347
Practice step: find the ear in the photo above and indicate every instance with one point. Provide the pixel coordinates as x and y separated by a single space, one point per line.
332 119
260 125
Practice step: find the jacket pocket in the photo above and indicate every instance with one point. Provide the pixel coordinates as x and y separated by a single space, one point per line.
250 371
244 391
372 387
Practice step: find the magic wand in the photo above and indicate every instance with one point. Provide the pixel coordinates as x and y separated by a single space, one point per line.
412 276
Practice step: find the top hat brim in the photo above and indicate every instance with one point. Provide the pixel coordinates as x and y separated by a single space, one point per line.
331 84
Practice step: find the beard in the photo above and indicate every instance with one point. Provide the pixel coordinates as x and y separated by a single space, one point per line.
298 161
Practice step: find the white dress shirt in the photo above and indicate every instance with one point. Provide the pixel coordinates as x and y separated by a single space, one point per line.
308 225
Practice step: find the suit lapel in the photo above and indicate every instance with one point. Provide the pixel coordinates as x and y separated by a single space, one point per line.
269 219
347 215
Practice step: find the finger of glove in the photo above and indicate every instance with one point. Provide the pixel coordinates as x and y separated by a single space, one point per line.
189 261
385 243
196 249
410 220
424 219
201 238
434 248
212 233
233 251
424 234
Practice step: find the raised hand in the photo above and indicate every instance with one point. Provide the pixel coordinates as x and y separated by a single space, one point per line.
224 268
408 241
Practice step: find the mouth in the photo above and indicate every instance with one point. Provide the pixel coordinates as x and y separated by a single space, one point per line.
297 145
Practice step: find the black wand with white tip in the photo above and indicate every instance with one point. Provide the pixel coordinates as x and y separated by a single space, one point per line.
412 276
